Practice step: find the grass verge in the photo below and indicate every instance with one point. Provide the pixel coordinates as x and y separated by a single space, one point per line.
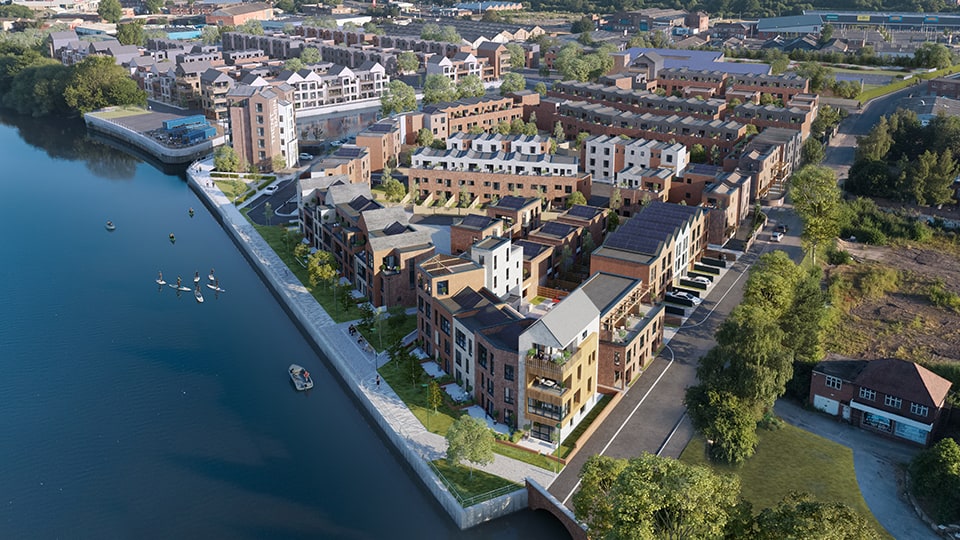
232 188
537 460
393 328
471 485
274 236
570 442
409 381
876 92
791 459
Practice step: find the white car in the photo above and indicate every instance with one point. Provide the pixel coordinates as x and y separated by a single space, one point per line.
685 296
271 189
777 236
703 280
306 157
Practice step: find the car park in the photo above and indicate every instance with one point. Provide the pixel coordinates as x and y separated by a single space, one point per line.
306 157
271 189
777 236
781 228
683 295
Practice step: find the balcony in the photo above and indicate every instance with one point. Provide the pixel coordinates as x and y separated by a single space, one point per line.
546 390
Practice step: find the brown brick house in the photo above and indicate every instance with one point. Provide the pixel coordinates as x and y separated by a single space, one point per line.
894 398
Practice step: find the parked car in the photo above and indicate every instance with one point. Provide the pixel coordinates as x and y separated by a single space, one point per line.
777 236
782 228
703 280
683 295
306 157
271 189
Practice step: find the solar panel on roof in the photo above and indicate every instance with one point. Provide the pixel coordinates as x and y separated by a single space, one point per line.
359 202
467 297
348 152
476 221
556 229
395 228
585 212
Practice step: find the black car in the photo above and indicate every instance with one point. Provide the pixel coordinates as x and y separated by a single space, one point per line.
782 228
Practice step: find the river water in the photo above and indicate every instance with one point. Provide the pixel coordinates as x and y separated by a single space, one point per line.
127 411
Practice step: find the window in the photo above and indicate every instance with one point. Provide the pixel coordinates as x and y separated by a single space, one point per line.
259 119
482 355
919 410
490 386
866 393
508 395
461 339
508 373
833 382
259 107
891 401
443 287
445 326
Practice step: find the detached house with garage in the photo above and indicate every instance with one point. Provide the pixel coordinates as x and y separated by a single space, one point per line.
895 398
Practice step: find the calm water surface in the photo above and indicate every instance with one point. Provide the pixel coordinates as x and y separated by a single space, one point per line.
127 411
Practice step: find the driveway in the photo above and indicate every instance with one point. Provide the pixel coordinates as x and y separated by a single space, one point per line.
877 463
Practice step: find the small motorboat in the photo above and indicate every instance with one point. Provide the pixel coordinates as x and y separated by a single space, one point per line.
198 295
300 377
110 226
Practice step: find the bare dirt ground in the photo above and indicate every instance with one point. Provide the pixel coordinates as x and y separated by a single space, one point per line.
904 323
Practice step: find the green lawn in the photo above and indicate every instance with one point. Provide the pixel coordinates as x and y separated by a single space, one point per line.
273 235
887 72
878 91
409 381
120 112
791 459
394 329
570 442
537 460
475 486
232 188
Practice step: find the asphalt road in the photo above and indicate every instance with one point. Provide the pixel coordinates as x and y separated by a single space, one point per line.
284 201
651 416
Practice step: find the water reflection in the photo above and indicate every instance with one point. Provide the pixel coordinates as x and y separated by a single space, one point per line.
329 127
67 138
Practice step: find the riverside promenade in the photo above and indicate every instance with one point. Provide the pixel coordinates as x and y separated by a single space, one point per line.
358 369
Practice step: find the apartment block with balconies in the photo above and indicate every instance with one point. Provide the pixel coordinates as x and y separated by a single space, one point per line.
639 101
528 145
782 87
767 116
214 86
631 331
558 367
392 250
262 125
520 215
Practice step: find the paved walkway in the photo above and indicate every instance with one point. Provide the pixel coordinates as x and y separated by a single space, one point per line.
876 462
356 365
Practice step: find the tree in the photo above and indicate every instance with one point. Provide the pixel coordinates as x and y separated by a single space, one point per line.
812 152
816 199
110 11
372 28
584 24
936 478
779 62
450 35
517 126
826 33
321 268
932 56
876 144
99 82
210 35
278 163
727 422
582 136
613 220
393 189
438 88
518 58
800 516
252 27
38 89
310 56
430 31
566 258
587 245
616 199
492 16
399 97
131 33
434 396
469 439
294 64
464 197
933 176
652 497
470 86
512 82
540 88
698 154
558 132
408 62
530 128
225 159
424 137
301 252
576 198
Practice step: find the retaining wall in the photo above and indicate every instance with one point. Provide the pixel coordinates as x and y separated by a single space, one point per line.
241 231
165 154
541 499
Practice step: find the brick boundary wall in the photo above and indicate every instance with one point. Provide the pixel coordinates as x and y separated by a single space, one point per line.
538 498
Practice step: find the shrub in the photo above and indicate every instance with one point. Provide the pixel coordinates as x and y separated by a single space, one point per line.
936 478
878 281
838 257
940 296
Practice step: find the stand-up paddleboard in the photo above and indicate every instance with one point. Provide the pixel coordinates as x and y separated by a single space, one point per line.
198 295
196 278
180 288
161 282
216 288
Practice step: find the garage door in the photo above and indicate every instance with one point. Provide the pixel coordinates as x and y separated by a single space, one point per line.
827 405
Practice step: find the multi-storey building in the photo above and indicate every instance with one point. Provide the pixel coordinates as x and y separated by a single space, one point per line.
236 15
383 141
214 86
690 83
531 145
392 250
657 246
520 215
538 264
631 331
445 119
263 125
605 156
502 264
280 46
350 160
589 219
639 101
334 84
488 175
782 87
770 158
767 116
456 68
727 199
471 229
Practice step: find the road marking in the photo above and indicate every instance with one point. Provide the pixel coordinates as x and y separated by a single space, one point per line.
664 372
675 428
